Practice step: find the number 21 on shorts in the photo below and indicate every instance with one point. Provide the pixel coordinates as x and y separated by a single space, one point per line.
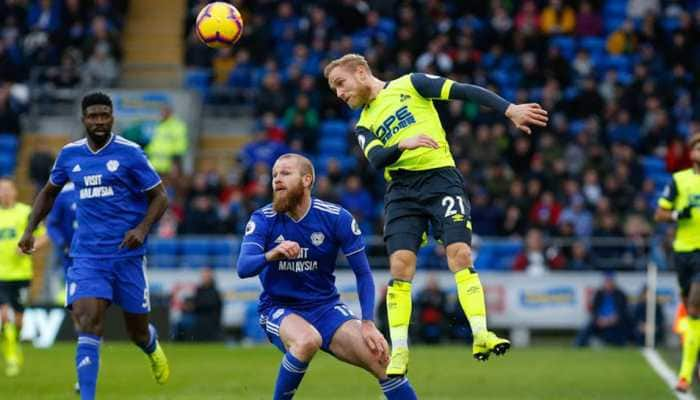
449 203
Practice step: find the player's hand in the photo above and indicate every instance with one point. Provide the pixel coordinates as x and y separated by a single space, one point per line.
26 243
133 239
375 341
526 115
285 250
417 141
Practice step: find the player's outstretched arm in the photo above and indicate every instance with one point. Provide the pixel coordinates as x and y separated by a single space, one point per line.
157 204
436 87
42 205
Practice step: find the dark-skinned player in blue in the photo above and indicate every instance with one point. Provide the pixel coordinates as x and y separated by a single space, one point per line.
119 198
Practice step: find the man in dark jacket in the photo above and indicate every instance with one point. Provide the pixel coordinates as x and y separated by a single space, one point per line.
609 316
207 308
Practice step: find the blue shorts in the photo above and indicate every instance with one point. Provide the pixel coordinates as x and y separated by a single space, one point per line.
326 319
121 281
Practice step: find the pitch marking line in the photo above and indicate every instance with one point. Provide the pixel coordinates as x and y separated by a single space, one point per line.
658 364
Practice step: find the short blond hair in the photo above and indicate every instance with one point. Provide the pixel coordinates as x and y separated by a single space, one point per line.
350 61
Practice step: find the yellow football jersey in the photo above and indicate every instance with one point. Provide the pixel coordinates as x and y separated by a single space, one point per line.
682 192
15 266
399 112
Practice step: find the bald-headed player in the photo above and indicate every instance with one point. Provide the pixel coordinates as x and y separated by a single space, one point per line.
399 130
680 203
15 273
293 245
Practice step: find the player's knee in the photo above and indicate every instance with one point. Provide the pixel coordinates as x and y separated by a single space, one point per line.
89 323
459 255
306 345
403 265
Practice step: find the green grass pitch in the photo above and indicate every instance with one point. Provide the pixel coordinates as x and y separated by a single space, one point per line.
445 372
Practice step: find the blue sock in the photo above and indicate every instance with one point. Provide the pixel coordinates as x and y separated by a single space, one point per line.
398 389
150 346
87 364
289 378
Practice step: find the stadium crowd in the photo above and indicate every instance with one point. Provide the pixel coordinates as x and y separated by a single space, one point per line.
61 43
618 78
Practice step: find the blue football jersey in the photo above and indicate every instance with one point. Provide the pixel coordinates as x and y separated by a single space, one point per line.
110 187
308 280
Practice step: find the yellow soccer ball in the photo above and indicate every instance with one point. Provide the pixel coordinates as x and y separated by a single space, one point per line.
219 24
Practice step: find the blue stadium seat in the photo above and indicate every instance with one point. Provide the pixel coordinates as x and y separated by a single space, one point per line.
615 8
653 165
661 179
8 142
566 45
223 247
167 247
593 44
163 261
222 262
504 253
612 23
618 63
198 79
670 24
333 146
8 162
484 258
334 128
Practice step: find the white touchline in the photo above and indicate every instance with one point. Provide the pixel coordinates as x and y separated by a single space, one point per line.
659 365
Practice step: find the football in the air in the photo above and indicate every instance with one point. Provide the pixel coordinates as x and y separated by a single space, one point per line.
219 24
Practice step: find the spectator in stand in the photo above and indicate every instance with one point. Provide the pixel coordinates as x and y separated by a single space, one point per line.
677 155
545 212
577 214
536 259
357 200
201 217
486 218
609 316
262 150
207 307
102 36
325 190
580 259
588 21
169 142
9 117
44 15
623 40
558 18
430 306
101 69
40 164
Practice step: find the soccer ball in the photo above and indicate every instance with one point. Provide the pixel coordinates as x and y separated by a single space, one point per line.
219 24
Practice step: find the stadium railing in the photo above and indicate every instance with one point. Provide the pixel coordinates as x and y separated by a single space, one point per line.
491 253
